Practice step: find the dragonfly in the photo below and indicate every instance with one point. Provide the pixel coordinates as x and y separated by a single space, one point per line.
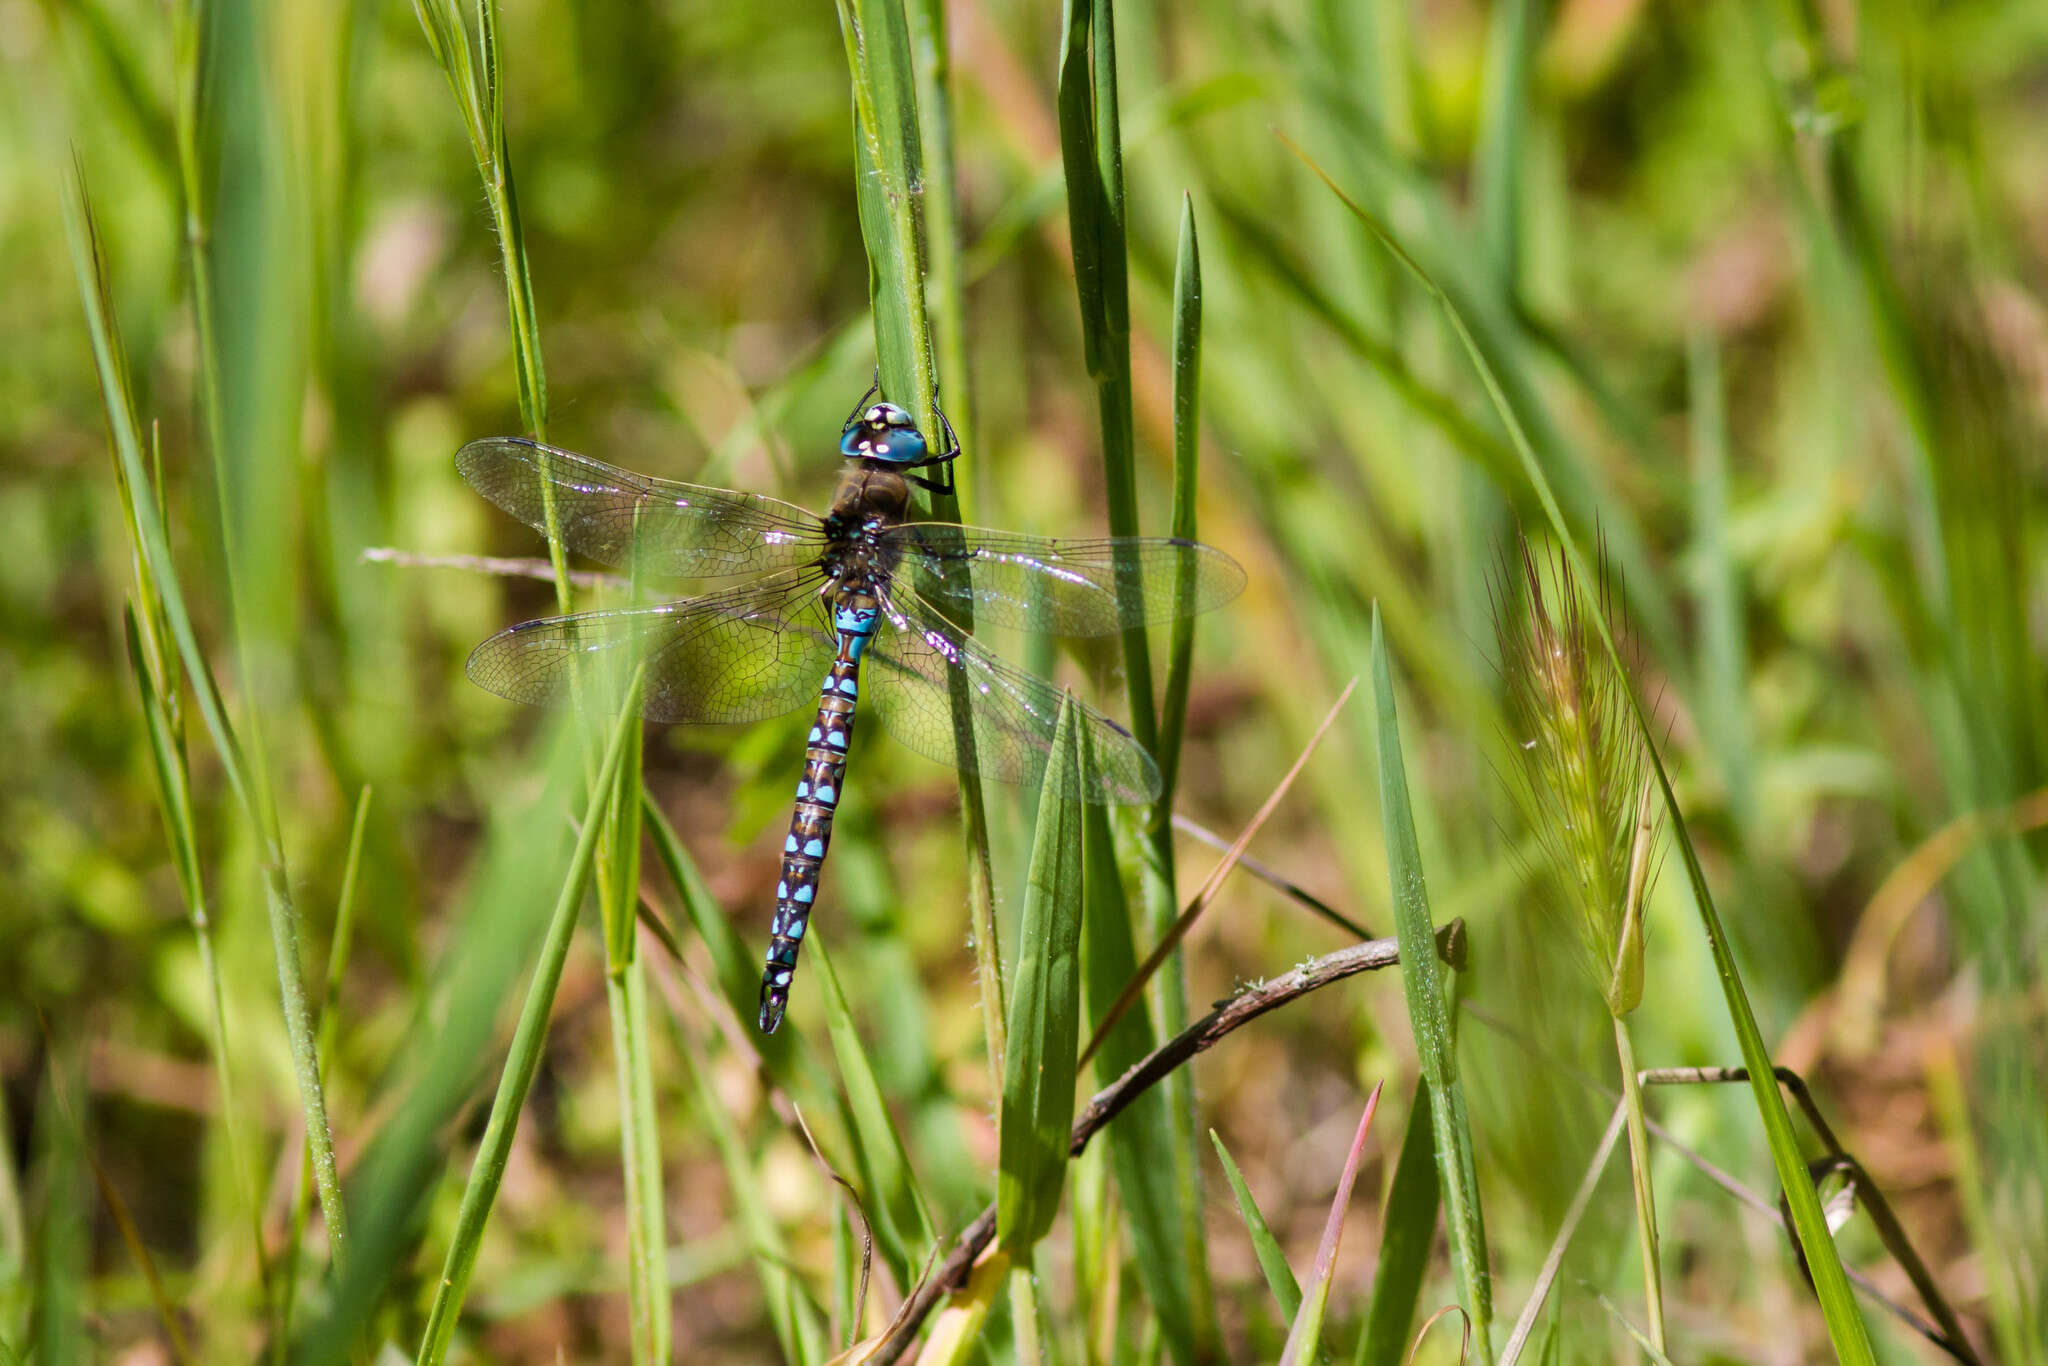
861 609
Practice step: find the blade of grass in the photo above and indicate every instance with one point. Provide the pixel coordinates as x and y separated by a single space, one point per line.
1091 156
1407 1228
1831 1286
329 1021
896 1205
1435 1046
1305 1339
1187 447
528 1041
1037 1108
111 364
1272 1260
888 173
639 1119
795 1321
947 305
1525 1323
1141 1144
1716 586
1501 147
63 1236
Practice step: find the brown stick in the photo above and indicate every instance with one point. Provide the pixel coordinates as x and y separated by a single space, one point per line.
1113 1099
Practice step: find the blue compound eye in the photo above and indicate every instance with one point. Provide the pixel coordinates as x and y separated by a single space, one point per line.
883 431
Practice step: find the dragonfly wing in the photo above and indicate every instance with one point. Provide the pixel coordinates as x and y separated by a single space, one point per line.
741 655
627 519
1063 587
1012 715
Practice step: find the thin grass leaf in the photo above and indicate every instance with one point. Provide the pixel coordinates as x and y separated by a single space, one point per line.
1091 150
1407 1229
900 1214
338 946
1141 1142
1428 1016
1187 450
640 1138
1091 156
1717 588
640 1120
529 1040
251 792
1272 1260
63 1235
946 302
1304 1339
1502 145
1037 1108
1831 1285
797 1329
888 176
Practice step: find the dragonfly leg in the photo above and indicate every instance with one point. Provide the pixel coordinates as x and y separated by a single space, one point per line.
873 389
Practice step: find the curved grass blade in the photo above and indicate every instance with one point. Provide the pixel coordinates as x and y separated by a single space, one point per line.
1272 1261
1846 1328
528 1040
1435 1045
888 172
797 1329
1407 1229
1187 444
896 1206
1304 1340
252 791
1037 1110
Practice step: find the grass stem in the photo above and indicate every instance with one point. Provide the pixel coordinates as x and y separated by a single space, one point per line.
1639 1171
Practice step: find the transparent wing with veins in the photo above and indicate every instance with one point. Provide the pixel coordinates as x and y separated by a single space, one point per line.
658 526
745 654
1011 715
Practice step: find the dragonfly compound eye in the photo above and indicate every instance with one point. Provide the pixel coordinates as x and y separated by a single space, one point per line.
883 432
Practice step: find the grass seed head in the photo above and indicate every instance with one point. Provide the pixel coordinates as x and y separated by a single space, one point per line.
1579 771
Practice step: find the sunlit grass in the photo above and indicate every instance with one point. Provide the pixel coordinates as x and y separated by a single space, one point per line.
1752 305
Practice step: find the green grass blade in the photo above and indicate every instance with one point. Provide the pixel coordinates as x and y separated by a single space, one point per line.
1091 150
1717 589
639 1119
896 1206
888 169
1502 145
1428 1016
1272 1260
946 302
154 549
1846 1328
1037 1109
63 1236
1142 1140
1304 1339
1407 1229
1091 156
528 1041
640 1139
1187 444
793 1318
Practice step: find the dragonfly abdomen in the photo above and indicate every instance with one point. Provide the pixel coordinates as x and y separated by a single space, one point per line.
817 797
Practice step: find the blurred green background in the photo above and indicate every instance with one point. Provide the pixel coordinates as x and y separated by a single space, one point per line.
1773 277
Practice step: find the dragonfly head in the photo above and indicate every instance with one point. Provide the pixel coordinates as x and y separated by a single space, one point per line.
883 432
